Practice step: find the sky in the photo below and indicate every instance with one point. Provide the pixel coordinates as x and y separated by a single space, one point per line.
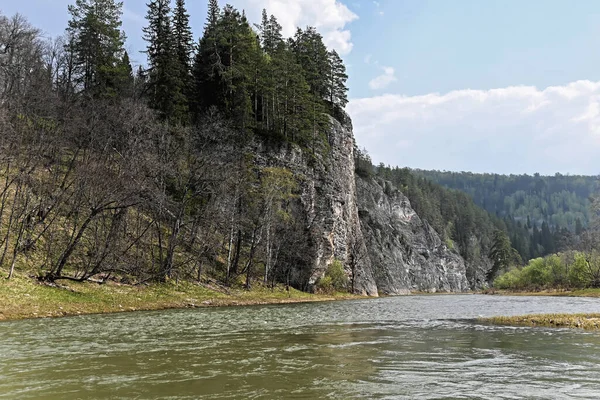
505 86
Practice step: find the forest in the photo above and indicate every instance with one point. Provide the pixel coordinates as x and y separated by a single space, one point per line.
543 214
146 173
466 211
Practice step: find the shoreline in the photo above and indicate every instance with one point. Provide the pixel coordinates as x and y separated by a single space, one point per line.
547 292
24 297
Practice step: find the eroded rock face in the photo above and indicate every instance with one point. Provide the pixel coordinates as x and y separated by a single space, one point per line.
366 224
405 252
328 206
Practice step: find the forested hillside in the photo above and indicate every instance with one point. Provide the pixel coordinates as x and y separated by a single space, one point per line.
465 227
148 172
543 214
562 201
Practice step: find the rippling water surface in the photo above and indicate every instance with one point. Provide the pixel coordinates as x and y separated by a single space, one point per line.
421 347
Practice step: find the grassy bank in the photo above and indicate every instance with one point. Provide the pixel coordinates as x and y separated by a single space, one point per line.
24 297
548 292
581 321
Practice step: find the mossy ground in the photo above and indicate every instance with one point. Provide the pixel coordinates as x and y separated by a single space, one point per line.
24 297
581 321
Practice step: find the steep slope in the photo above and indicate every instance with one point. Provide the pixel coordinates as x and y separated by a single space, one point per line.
561 200
406 253
327 207
366 224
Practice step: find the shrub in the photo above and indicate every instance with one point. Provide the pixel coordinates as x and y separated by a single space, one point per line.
509 280
335 279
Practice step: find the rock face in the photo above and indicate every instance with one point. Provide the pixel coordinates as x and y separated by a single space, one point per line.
405 252
367 225
328 207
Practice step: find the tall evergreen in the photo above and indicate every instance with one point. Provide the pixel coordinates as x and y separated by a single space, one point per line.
270 33
336 81
97 45
208 64
164 86
184 49
125 86
312 55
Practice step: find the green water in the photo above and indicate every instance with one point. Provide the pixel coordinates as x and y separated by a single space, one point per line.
426 347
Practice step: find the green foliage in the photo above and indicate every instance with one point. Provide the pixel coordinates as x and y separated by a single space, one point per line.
278 88
165 88
541 213
577 270
501 254
97 46
335 279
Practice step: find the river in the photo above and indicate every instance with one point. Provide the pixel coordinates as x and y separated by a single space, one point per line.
417 347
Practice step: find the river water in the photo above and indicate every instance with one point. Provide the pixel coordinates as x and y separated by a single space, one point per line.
418 347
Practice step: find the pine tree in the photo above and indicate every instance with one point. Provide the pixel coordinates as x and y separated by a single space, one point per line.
164 87
97 45
184 48
125 86
270 33
501 254
337 77
208 65
312 55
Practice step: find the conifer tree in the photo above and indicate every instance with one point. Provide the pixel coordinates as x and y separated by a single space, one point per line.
125 86
184 48
337 77
165 88
311 53
97 45
208 65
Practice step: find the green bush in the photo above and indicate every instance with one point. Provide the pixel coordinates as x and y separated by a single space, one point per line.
536 274
574 270
578 272
509 280
335 279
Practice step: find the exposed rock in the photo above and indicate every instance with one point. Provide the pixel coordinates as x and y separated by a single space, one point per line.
406 253
328 206
366 224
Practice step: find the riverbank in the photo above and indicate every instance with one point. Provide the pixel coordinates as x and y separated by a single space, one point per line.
547 292
581 321
24 297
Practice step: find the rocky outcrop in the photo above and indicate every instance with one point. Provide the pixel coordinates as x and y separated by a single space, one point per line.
367 225
406 254
328 207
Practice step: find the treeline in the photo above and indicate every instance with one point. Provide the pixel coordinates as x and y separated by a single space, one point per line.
253 76
543 214
578 268
147 173
571 270
559 200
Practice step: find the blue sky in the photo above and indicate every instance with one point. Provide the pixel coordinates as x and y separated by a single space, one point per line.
505 86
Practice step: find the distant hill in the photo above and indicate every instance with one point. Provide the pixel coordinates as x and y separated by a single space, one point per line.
540 214
562 201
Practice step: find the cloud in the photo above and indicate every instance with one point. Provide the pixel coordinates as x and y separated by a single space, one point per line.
330 17
378 9
518 129
384 80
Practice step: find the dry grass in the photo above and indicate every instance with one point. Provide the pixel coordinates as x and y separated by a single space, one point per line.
24 297
581 321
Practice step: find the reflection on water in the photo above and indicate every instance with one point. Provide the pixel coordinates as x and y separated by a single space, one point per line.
395 348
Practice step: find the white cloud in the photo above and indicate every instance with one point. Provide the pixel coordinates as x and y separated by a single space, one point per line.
509 130
330 17
384 80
